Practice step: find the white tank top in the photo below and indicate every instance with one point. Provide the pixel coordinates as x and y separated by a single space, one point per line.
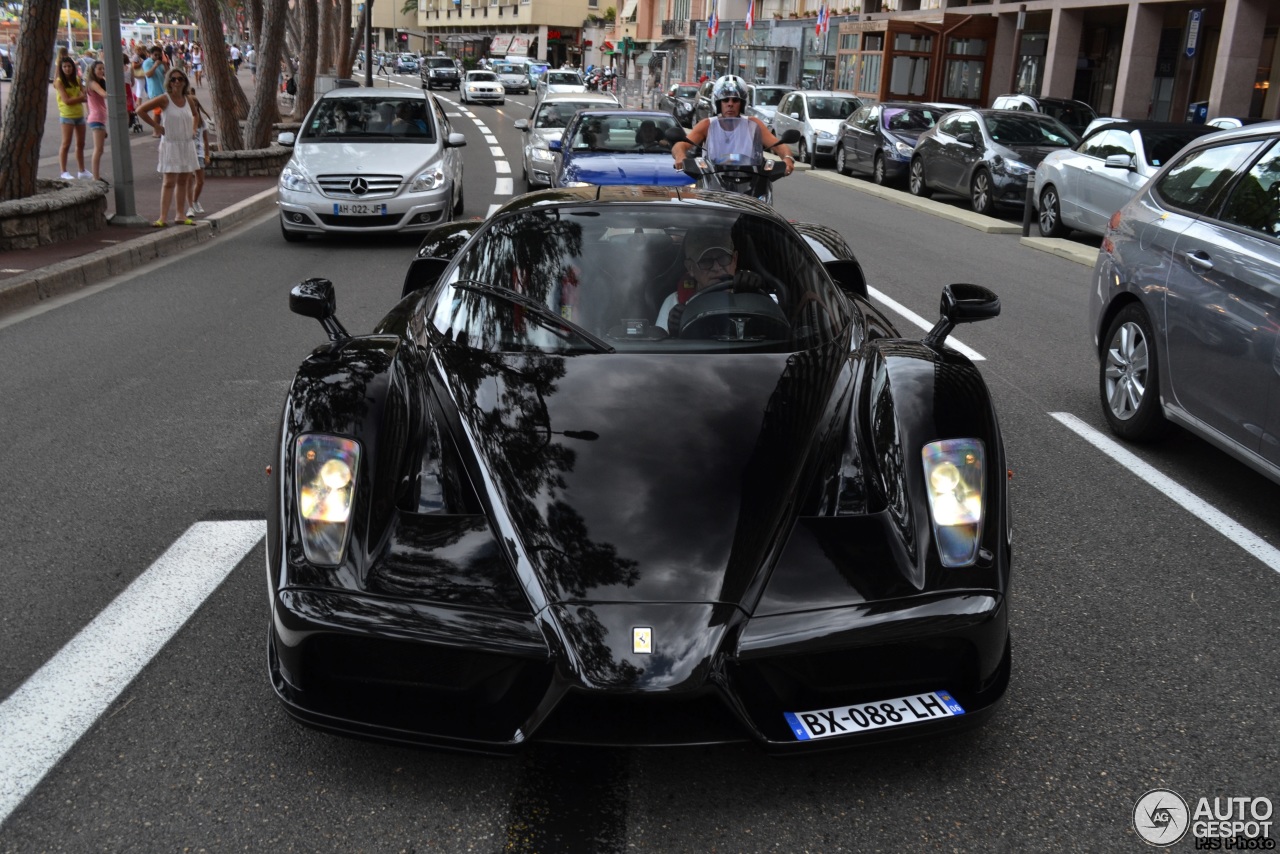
733 140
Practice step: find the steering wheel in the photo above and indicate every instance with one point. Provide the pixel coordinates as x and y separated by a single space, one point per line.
756 309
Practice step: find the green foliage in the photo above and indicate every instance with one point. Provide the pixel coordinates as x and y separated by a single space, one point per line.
410 7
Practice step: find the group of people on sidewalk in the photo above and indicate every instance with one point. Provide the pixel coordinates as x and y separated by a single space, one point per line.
168 105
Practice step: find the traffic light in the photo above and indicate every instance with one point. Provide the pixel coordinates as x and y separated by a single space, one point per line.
403 38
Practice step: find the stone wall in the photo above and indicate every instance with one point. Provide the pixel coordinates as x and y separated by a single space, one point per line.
254 162
60 210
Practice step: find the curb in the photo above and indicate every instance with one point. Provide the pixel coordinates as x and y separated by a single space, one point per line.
65 277
986 224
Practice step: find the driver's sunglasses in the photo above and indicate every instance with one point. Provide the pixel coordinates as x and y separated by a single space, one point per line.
713 258
731 100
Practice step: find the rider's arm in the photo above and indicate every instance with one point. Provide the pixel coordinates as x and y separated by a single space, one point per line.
696 136
771 143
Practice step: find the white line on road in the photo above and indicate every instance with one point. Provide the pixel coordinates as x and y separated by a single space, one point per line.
911 316
492 210
504 187
496 150
1180 495
49 712
502 167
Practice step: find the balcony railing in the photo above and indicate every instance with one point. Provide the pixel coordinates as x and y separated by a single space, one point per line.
675 28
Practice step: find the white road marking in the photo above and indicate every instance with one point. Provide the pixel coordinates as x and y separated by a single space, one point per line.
502 167
1175 492
911 316
504 187
496 150
49 712
491 139
492 210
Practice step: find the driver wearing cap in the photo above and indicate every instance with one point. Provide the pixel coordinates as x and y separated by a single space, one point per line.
709 258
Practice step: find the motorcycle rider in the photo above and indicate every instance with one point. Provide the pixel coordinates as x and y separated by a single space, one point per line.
728 132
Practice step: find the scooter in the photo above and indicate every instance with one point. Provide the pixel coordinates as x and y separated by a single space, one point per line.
737 173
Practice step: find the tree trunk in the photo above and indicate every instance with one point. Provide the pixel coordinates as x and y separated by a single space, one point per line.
307 70
255 23
351 41
217 66
326 61
28 99
264 107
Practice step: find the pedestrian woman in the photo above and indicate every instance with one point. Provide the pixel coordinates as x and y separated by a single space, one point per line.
197 63
71 100
96 90
177 128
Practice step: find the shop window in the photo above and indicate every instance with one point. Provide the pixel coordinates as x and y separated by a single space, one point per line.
964 79
869 73
912 42
967 47
908 75
849 41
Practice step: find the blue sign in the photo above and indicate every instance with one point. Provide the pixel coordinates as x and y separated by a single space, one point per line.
1194 17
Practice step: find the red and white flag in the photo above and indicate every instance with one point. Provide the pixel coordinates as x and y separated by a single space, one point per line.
713 25
822 20
751 14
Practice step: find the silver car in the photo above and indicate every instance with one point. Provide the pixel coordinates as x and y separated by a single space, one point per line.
482 87
1184 307
763 101
548 123
370 160
514 78
1082 187
560 81
817 116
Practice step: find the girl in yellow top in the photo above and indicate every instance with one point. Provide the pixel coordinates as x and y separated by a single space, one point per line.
71 101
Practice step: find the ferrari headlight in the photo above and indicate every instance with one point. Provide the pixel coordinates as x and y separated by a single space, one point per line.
325 469
294 179
429 179
953 472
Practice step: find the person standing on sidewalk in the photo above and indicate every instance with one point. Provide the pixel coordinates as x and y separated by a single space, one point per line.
71 100
96 90
197 63
154 70
177 128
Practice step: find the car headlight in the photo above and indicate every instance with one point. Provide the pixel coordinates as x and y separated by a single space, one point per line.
541 154
1014 167
826 134
325 469
429 179
953 473
578 184
294 179
472 89
903 150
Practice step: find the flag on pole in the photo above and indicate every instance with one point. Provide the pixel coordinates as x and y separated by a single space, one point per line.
751 13
822 20
713 25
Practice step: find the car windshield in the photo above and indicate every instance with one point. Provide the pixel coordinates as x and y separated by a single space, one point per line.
487 76
440 62
768 97
379 117
1161 145
563 78
508 69
1028 129
832 108
1070 113
686 91
556 114
623 132
911 119
608 271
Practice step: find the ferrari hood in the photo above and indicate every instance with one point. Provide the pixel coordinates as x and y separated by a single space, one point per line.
646 478
647 169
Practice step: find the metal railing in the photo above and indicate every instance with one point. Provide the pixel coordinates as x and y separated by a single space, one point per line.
675 28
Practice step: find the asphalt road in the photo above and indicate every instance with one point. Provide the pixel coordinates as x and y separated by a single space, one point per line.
1144 638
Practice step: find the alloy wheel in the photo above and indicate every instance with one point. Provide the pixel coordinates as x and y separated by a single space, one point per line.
980 192
877 173
1051 214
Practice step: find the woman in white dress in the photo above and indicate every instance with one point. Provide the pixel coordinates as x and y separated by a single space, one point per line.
178 124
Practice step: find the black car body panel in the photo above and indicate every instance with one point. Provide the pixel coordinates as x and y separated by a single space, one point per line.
525 519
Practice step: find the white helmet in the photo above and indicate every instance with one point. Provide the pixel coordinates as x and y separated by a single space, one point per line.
728 86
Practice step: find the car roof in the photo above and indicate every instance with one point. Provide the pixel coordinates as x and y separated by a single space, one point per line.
558 97
1152 124
623 111
1267 128
382 94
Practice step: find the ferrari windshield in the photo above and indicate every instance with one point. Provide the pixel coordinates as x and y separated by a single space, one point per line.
615 272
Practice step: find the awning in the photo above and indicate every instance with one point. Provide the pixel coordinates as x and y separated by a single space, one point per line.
519 45
642 58
460 38
671 44
628 10
500 44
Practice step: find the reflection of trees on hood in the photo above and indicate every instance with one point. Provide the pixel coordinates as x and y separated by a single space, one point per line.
505 405
589 639
331 400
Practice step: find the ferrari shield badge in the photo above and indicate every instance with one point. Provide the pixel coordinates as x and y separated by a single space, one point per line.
642 640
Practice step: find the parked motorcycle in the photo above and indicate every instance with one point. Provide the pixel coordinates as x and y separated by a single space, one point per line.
736 173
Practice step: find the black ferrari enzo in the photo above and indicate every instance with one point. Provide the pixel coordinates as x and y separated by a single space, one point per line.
536 504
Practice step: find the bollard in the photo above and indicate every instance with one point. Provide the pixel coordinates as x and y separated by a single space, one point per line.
1028 205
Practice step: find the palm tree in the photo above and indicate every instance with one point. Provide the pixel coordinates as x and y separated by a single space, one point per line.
28 98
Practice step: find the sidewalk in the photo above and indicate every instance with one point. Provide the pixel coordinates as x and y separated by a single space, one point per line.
29 276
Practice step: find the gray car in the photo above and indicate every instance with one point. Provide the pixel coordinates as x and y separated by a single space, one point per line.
548 123
1082 187
514 78
1184 306
763 101
817 116
370 161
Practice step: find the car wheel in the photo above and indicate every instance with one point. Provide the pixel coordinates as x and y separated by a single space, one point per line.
291 236
877 170
842 165
804 153
1051 214
1129 377
980 193
917 186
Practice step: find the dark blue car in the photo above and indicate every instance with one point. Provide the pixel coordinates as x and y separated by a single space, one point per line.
602 147
878 139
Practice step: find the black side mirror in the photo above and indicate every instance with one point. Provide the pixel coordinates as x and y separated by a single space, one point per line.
848 275
790 136
674 135
962 303
315 298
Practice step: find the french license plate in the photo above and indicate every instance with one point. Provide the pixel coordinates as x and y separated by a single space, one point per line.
355 209
846 720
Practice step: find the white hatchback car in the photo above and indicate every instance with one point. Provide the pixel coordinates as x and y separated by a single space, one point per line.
817 116
482 87
370 161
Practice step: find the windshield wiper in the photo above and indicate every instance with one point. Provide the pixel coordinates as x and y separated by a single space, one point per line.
546 315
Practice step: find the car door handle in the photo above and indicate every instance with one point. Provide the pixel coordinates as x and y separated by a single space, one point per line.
1200 259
